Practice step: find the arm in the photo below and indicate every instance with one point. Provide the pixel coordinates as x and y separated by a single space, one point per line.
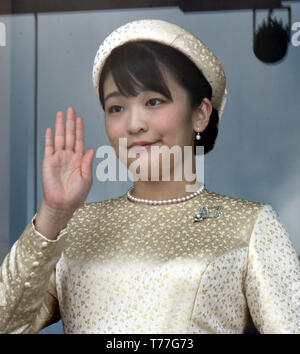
27 286
27 282
272 283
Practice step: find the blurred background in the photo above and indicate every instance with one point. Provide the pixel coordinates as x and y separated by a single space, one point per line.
46 61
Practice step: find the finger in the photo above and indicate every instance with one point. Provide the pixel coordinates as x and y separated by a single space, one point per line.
70 129
49 149
87 164
79 143
59 137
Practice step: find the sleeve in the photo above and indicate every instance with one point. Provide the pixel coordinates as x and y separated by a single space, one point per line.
28 300
272 282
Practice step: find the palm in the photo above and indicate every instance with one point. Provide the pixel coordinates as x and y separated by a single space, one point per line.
67 171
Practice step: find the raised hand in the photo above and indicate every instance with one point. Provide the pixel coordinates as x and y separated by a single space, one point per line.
66 174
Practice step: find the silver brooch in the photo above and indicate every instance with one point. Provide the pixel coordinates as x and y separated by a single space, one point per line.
204 213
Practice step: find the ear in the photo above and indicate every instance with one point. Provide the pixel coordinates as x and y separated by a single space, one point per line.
201 115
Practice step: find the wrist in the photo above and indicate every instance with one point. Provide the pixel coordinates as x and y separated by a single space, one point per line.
49 222
53 214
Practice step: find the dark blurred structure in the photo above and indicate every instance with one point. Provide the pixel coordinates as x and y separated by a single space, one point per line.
270 41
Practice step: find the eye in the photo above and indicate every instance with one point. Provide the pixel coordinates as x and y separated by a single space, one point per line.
114 109
154 100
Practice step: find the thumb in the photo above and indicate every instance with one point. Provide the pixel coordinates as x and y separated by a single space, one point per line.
87 163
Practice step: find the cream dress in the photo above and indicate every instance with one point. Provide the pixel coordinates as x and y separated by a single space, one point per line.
123 267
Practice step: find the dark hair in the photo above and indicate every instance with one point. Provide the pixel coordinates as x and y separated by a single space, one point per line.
135 67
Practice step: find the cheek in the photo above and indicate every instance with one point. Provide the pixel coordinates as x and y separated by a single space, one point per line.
173 124
166 122
113 130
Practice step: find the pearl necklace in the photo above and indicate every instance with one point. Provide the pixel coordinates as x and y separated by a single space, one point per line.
165 201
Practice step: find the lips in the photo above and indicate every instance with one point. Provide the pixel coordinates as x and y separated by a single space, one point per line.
141 144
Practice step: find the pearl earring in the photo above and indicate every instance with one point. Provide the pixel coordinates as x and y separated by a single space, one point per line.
198 136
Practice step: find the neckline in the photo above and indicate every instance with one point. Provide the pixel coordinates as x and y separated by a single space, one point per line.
162 206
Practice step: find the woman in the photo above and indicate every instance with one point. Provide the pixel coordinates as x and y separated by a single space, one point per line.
159 259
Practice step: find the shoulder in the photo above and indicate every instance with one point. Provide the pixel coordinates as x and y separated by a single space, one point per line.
238 214
229 202
260 219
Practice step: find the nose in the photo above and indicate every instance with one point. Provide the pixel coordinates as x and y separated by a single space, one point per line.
136 121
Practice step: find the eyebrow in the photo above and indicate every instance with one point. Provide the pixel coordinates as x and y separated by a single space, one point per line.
118 94
113 94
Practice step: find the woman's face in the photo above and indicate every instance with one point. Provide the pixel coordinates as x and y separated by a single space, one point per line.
149 117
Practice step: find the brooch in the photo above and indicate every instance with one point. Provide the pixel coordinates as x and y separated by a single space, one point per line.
204 213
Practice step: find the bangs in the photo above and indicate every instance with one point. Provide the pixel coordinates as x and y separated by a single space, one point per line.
134 68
